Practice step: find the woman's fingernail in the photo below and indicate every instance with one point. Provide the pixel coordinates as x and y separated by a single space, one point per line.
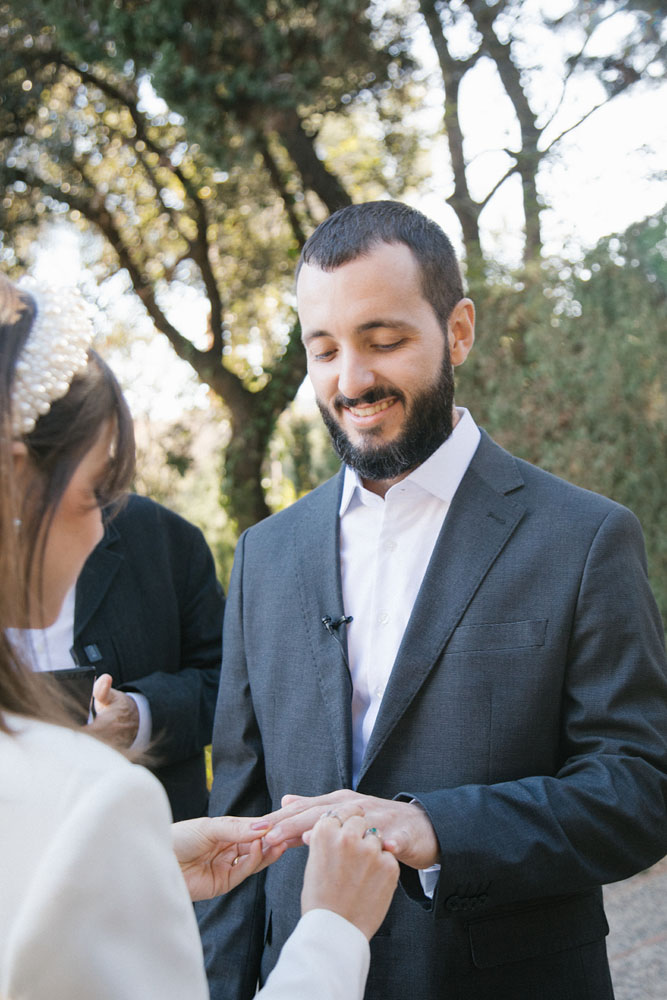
261 824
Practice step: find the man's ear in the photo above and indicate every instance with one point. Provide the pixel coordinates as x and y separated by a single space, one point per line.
461 331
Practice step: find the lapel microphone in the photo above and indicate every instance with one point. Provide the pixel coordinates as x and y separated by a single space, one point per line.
331 625
332 628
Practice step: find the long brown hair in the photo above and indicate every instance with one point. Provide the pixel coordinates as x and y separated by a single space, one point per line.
55 446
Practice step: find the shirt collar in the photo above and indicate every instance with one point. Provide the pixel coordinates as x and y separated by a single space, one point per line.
440 474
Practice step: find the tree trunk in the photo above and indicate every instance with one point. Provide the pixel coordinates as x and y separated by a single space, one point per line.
452 71
253 419
527 167
313 172
242 477
528 158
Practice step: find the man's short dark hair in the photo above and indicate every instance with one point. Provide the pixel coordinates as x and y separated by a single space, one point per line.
356 230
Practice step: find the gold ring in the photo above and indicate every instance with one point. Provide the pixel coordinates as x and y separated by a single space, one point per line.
236 860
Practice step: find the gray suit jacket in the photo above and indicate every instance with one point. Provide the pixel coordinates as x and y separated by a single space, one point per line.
526 711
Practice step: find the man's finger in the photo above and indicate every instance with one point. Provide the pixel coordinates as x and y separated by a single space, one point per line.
101 688
291 827
289 799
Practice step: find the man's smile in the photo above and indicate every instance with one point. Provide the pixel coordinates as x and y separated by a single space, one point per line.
370 409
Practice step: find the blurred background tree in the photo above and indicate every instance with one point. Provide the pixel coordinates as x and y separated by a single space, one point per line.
195 145
540 60
569 369
215 189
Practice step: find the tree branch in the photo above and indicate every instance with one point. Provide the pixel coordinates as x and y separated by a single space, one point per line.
206 363
512 170
591 111
202 257
199 248
573 62
452 71
287 373
281 188
315 174
130 102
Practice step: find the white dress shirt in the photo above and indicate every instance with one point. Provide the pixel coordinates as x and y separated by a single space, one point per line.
385 546
50 649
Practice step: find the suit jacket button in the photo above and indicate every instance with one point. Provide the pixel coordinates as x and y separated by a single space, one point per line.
453 903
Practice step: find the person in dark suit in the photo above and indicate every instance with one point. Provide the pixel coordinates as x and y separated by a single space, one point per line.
457 642
148 616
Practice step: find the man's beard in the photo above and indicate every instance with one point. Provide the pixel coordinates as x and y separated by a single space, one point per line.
428 422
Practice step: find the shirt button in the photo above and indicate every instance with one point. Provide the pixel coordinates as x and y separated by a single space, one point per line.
383 618
378 692
391 545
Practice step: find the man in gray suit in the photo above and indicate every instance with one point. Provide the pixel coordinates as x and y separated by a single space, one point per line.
443 635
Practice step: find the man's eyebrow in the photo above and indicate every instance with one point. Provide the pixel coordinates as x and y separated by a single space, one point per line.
371 324
313 335
385 324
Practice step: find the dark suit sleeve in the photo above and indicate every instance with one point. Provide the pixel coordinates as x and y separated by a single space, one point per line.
603 815
182 702
232 926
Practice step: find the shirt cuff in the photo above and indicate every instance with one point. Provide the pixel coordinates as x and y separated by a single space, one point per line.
429 879
145 730
427 876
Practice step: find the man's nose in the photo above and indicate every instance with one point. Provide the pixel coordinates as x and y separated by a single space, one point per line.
355 375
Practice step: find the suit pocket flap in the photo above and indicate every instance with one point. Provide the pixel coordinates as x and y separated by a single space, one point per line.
537 930
501 635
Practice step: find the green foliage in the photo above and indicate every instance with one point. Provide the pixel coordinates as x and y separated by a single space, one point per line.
241 69
569 373
202 142
300 457
214 190
179 466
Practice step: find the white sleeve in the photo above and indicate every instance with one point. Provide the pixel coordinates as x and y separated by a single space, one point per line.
145 728
325 958
106 913
429 879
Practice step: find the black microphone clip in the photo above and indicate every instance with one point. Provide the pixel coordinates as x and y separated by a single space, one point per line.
331 625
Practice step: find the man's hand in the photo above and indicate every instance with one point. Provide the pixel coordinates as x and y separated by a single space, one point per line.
117 715
348 872
405 828
217 854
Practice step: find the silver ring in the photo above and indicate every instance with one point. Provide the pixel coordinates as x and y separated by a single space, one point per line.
373 831
333 814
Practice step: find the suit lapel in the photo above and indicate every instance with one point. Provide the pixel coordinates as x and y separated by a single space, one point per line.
478 525
95 578
317 568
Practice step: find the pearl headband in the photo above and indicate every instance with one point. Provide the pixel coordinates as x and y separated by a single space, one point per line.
56 350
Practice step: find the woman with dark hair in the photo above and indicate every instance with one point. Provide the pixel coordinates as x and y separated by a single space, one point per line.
92 903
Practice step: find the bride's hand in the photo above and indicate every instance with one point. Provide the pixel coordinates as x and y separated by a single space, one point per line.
216 854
